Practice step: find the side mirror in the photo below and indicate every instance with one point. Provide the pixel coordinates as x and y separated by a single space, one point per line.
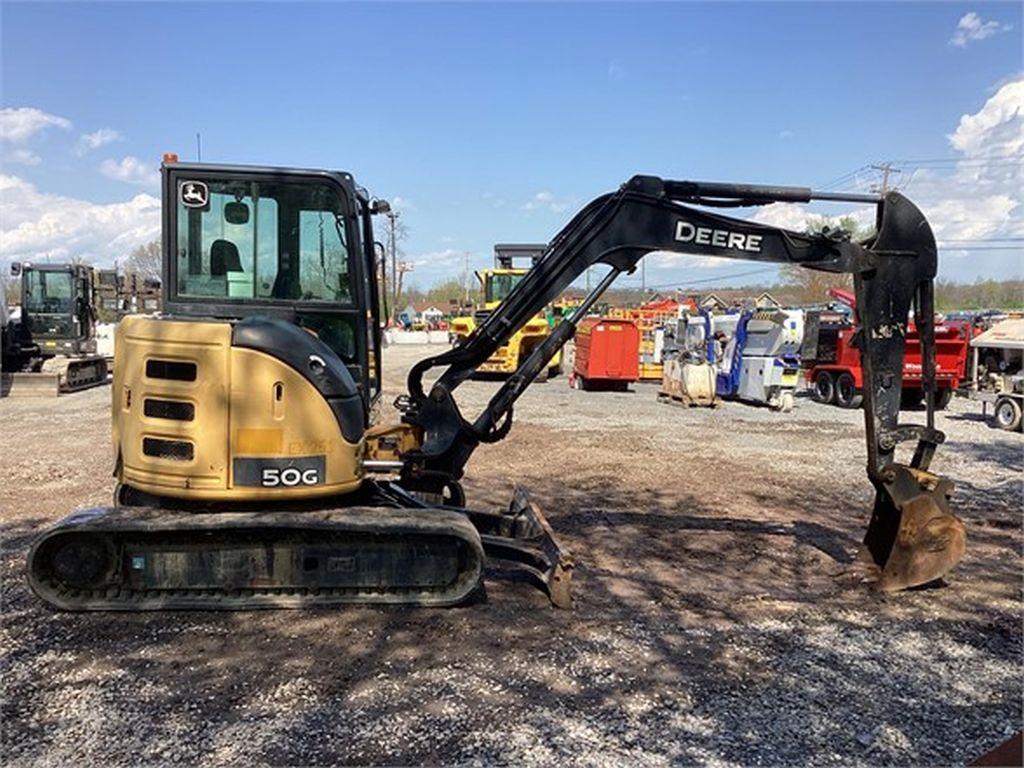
380 206
236 213
15 269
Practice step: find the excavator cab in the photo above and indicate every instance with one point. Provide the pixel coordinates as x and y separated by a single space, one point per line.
246 453
57 314
292 245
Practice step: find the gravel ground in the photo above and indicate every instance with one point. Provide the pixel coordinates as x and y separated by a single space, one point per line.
712 623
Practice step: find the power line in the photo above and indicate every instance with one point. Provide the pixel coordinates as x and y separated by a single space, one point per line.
688 283
844 178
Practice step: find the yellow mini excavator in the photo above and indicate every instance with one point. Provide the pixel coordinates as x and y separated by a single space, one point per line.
250 472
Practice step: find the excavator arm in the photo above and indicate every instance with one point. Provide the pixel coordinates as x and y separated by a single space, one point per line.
912 538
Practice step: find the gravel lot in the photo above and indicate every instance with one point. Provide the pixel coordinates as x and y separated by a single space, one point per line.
712 622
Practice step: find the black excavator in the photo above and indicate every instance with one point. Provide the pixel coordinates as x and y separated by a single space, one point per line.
52 347
251 472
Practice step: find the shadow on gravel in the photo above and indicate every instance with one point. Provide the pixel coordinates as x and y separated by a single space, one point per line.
1004 455
686 646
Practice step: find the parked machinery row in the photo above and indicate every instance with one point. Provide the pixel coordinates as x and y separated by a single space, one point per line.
749 355
50 340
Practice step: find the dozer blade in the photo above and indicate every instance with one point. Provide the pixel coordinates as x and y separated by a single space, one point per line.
132 558
526 543
913 538
77 373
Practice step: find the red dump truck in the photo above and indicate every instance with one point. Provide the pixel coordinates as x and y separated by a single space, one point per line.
832 363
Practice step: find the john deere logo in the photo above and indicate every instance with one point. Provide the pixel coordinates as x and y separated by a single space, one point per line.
194 194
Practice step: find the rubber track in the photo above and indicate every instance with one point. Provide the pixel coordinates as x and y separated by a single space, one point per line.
127 524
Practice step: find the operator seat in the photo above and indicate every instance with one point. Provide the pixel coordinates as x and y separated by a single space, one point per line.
224 258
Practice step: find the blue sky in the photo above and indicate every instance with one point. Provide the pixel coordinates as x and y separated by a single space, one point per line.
494 123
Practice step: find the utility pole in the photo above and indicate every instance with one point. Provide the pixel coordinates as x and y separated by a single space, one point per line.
393 248
465 277
886 169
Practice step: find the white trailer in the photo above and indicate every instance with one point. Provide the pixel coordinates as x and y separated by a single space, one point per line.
996 375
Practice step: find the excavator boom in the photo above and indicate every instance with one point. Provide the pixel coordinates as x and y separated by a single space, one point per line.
912 538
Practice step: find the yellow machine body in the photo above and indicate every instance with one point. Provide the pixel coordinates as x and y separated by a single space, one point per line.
183 439
508 357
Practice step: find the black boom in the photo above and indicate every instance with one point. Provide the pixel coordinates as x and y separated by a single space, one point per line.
912 538
892 271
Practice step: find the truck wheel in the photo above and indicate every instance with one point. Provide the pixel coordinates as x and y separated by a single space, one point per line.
943 398
1007 414
847 395
824 387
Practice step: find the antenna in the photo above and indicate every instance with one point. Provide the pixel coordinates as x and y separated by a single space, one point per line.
199 147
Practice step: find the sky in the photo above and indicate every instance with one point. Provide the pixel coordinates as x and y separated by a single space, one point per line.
488 123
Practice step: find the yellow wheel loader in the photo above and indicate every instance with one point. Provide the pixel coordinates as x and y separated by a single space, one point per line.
497 284
251 473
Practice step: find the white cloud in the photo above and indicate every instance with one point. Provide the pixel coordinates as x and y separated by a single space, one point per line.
37 225
547 201
446 258
680 262
786 215
980 197
132 171
997 128
983 196
19 124
971 28
88 142
785 134
23 156
797 218
433 267
399 203
615 72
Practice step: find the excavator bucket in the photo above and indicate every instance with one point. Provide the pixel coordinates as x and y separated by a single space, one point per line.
913 539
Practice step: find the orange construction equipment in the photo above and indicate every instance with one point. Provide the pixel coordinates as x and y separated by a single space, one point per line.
606 354
648 318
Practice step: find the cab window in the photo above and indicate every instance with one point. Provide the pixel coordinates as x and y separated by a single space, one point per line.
260 240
